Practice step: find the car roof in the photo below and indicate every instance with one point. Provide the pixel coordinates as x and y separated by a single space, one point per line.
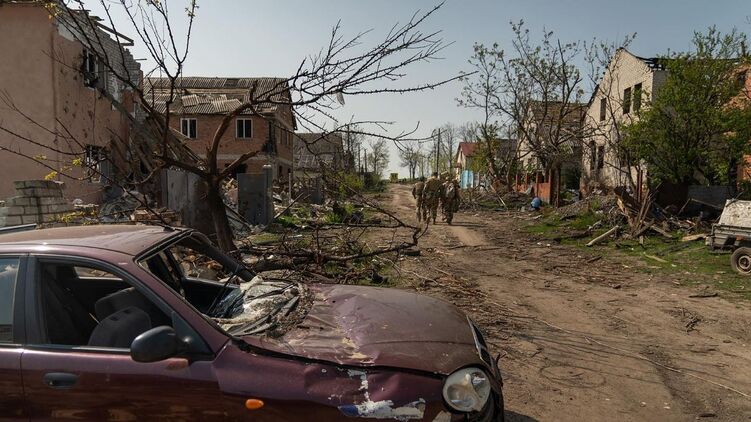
127 239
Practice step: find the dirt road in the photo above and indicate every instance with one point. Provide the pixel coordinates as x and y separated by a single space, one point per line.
585 337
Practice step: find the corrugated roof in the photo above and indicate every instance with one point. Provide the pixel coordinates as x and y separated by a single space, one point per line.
215 95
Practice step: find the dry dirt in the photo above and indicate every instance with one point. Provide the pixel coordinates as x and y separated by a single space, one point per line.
585 336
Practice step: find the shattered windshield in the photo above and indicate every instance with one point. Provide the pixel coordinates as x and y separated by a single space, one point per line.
224 290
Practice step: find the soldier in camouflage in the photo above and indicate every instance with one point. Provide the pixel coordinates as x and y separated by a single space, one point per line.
417 190
430 196
451 199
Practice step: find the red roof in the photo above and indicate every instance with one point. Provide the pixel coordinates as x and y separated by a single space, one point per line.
468 148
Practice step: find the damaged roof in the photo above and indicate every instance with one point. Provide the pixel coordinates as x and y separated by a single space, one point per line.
313 149
217 95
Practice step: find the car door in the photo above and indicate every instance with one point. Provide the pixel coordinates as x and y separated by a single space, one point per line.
95 382
11 338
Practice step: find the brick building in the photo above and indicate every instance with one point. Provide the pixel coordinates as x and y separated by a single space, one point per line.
629 83
61 100
200 104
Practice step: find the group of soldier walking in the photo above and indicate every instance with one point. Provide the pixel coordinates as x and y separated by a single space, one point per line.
436 191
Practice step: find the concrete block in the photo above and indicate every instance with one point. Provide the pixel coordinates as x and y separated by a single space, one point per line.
44 184
28 219
10 221
14 210
41 192
52 201
21 201
31 209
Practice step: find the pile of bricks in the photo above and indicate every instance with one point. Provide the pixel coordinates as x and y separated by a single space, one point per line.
36 201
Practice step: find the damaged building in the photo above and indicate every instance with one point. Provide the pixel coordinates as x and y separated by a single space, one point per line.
200 104
64 113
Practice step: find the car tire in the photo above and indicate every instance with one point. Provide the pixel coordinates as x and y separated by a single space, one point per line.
502 409
741 261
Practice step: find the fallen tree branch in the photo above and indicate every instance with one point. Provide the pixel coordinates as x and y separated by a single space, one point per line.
603 236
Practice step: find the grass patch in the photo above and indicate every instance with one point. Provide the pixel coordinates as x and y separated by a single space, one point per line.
691 263
551 226
265 238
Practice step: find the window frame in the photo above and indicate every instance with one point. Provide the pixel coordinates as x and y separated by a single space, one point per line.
90 68
18 324
627 100
93 166
637 93
600 157
243 121
195 127
35 326
603 108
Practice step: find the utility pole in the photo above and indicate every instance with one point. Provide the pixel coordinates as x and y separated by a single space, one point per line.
438 151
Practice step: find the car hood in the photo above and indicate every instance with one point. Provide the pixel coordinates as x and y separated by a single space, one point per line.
370 326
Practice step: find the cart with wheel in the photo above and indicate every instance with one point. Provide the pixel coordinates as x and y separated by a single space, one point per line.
733 232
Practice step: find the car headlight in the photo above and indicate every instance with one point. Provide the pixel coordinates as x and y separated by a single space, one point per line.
467 390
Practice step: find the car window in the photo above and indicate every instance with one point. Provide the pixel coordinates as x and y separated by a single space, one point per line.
8 276
87 272
89 306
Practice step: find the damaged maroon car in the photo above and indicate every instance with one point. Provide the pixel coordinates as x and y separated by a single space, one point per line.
112 323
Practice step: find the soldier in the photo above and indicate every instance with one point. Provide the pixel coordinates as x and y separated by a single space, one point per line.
430 195
442 196
451 199
417 194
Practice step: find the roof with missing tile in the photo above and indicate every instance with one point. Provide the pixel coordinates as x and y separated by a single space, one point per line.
215 95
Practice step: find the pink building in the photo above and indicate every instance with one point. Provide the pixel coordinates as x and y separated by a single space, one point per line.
61 105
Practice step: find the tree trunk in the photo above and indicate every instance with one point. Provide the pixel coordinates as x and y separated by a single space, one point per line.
219 217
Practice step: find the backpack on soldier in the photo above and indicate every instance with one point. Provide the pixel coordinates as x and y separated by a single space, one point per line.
450 191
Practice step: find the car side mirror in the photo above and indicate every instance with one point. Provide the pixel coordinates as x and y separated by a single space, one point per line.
155 345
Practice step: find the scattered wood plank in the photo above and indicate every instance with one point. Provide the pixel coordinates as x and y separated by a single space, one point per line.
603 236
693 237
660 231
656 258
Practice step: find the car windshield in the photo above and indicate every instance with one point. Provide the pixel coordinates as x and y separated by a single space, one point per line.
223 289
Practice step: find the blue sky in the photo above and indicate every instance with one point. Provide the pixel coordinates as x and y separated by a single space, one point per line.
270 38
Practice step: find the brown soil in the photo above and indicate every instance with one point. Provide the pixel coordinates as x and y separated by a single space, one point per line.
585 336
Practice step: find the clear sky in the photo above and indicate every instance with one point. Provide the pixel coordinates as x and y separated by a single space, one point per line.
270 38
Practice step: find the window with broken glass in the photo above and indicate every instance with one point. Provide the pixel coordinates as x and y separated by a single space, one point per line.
90 69
94 163
224 290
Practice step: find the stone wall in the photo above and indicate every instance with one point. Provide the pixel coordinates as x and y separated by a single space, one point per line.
36 201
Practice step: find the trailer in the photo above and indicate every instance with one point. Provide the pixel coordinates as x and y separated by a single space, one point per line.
733 232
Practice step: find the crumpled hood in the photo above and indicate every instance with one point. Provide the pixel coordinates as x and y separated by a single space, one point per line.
369 326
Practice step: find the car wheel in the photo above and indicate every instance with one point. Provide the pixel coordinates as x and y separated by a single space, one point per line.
741 261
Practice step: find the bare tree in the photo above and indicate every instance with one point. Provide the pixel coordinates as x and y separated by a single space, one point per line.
410 156
535 91
378 157
344 67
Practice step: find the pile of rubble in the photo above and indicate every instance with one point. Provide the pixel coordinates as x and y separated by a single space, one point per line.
605 206
629 218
